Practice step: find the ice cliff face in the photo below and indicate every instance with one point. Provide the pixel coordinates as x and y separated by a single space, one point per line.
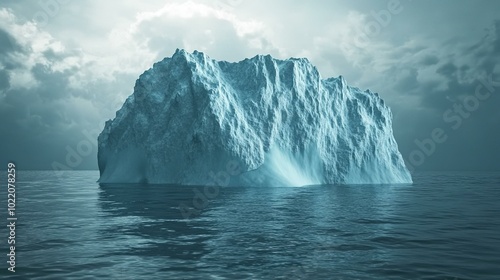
262 121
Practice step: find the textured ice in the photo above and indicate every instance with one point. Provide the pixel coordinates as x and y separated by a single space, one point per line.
262 121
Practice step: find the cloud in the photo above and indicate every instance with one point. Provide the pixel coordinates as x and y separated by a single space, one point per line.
197 26
429 60
69 75
462 67
39 107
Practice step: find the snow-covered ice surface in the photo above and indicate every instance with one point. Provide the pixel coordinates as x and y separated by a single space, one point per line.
262 121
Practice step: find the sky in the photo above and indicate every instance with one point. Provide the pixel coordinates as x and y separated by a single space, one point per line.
67 66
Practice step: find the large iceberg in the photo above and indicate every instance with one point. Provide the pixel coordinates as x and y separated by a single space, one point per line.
193 120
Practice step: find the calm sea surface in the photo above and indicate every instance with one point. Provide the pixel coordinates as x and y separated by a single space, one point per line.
444 226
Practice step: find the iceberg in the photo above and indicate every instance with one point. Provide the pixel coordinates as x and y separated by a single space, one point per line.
192 120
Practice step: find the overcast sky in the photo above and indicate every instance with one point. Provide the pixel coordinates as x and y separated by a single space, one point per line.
67 66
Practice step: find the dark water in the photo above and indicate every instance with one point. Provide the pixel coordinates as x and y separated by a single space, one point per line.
445 226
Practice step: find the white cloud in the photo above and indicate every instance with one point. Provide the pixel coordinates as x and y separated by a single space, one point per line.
92 53
189 9
31 44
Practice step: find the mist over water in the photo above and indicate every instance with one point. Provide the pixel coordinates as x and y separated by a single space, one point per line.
295 170
444 226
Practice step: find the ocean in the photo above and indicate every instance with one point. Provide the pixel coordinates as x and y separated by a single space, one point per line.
444 226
